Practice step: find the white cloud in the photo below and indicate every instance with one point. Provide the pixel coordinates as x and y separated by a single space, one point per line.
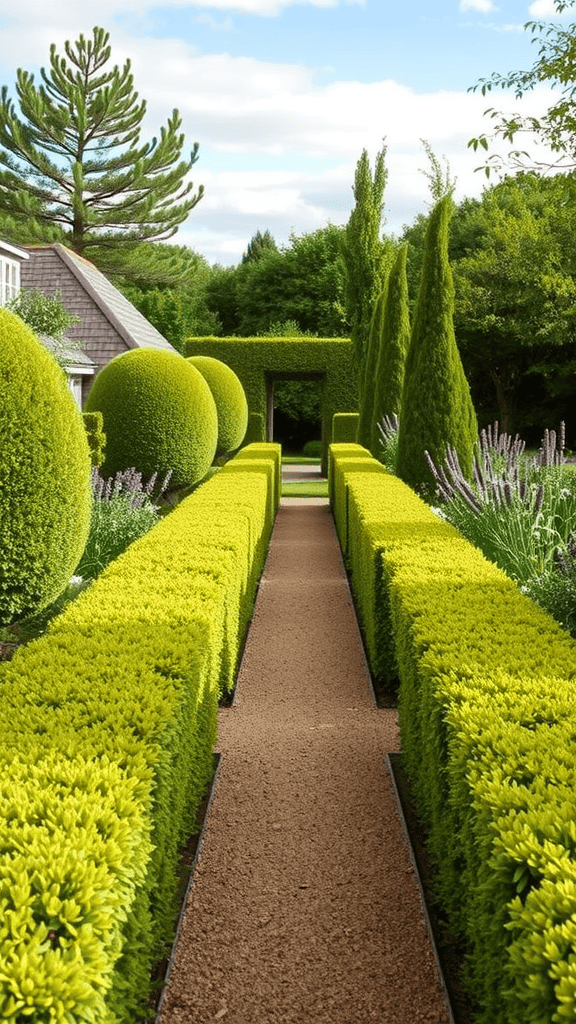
543 9
278 149
218 26
482 6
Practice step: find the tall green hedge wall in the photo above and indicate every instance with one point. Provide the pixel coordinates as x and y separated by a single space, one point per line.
255 359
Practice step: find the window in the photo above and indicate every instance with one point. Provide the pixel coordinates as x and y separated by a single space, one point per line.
9 279
75 385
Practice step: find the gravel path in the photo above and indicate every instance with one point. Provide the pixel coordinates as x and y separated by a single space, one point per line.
304 907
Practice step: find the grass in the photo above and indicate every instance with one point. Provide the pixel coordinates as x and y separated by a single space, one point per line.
299 460
318 489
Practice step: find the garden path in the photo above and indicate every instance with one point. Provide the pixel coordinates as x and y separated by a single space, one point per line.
304 906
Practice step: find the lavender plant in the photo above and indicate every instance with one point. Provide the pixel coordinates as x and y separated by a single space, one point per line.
124 508
555 590
519 511
388 436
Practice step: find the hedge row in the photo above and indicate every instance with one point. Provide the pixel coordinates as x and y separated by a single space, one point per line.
109 726
258 361
488 726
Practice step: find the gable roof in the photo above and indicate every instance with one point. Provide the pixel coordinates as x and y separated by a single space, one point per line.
84 287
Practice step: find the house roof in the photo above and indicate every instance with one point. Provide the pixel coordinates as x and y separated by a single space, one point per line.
74 358
13 250
127 322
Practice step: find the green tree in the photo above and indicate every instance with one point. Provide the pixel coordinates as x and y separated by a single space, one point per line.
259 244
222 298
515 310
303 282
555 67
368 387
394 342
73 159
180 311
437 409
47 315
365 256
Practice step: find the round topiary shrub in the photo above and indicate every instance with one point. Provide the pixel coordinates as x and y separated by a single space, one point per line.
312 450
230 401
45 494
158 414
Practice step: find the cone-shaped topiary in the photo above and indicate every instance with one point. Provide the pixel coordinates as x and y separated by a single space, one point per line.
437 408
366 409
230 398
394 344
158 413
45 493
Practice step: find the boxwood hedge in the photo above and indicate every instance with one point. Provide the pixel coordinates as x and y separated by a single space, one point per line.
487 715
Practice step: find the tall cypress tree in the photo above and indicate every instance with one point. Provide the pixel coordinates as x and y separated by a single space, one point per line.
364 253
74 160
437 409
394 341
367 389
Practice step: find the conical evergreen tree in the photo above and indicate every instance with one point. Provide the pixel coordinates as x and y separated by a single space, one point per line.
367 390
258 245
364 253
394 342
437 409
74 161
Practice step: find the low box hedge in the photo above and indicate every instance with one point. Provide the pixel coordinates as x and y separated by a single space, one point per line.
110 721
488 724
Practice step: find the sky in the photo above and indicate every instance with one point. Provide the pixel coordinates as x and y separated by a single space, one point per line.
283 96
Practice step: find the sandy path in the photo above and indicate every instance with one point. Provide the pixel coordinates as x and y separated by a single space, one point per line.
304 907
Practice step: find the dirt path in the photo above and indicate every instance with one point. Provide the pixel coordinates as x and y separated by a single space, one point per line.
304 907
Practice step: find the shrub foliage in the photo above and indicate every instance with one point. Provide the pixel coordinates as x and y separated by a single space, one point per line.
158 414
45 497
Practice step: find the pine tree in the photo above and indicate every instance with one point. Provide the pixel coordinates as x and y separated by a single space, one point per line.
258 245
364 253
367 390
394 341
74 160
437 410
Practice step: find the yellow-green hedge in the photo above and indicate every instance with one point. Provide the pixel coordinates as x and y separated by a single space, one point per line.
109 723
488 726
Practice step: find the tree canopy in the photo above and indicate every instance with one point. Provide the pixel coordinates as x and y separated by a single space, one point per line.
515 311
72 159
303 282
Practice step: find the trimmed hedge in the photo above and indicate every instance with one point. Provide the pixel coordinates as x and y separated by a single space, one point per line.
256 360
112 721
231 404
345 427
45 494
93 425
159 414
487 720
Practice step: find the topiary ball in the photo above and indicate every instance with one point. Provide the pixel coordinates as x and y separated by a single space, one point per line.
230 401
158 414
45 492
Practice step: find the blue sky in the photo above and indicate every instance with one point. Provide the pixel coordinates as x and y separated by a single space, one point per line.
283 96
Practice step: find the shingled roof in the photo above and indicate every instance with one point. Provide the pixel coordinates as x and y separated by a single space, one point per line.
110 324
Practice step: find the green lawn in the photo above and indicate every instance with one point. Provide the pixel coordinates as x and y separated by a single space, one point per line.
299 460
317 489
